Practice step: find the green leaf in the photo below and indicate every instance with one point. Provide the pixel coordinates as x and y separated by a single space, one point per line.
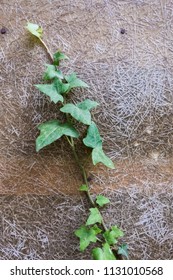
64 88
93 136
60 86
51 90
87 104
80 115
123 250
52 72
87 235
96 229
80 111
94 217
51 131
74 81
34 29
101 200
84 188
99 156
103 254
58 56
94 140
112 235
54 90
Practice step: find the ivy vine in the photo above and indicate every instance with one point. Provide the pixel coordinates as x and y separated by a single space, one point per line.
57 86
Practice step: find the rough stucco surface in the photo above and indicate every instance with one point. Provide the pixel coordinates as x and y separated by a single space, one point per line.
131 76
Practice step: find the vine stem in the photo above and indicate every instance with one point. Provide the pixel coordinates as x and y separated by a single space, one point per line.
83 172
72 145
47 49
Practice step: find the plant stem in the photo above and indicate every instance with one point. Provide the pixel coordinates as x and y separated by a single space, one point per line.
47 49
85 179
83 172
71 143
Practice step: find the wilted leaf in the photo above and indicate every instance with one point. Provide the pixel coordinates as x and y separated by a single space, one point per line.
87 235
112 235
84 188
94 217
93 136
51 73
74 81
99 156
80 115
103 254
34 29
87 104
58 56
123 250
51 131
101 200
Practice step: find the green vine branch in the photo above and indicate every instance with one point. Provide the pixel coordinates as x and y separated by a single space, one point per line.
57 88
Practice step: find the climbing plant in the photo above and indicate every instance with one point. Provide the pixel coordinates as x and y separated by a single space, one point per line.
57 87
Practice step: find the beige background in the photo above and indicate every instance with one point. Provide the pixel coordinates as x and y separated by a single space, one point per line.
130 75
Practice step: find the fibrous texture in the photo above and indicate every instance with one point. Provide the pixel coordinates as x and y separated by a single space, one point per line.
124 51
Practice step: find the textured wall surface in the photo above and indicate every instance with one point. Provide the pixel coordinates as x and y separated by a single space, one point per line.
130 75
124 51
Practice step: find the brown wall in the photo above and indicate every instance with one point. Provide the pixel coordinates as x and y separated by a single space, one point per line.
130 75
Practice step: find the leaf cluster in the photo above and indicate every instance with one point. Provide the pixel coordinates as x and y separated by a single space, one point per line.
57 86
93 232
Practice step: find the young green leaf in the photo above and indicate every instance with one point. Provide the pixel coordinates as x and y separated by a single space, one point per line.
99 156
96 229
58 56
94 217
84 188
51 131
51 91
103 254
112 235
123 250
80 115
34 29
51 73
65 88
101 200
60 86
93 136
54 90
87 235
74 81
87 104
